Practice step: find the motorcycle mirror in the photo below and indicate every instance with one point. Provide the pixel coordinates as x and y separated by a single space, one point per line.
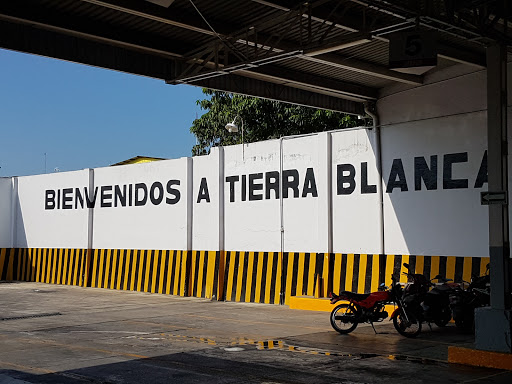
438 277
406 265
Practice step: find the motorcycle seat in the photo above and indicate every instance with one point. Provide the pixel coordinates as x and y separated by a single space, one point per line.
354 296
438 289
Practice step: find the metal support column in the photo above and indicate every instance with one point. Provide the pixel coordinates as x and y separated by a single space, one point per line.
493 324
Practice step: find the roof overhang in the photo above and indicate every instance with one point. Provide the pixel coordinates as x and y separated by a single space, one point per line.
330 54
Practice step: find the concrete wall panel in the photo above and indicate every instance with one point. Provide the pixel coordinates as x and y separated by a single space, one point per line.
206 202
304 190
252 222
446 219
355 199
5 211
47 212
154 215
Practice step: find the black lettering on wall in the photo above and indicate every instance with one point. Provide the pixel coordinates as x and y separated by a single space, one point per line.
423 172
67 198
79 198
309 184
271 184
106 196
130 195
482 176
58 198
120 196
345 183
448 181
397 171
173 191
141 199
290 180
203 194
365 187
232 180
156 199
244 187
253 186
49 199
90 199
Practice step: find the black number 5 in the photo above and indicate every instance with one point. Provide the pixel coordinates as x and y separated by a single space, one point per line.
413 45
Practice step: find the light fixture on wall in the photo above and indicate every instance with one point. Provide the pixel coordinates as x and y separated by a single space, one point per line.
233 128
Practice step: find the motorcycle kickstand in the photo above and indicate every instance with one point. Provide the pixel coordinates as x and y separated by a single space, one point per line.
374 330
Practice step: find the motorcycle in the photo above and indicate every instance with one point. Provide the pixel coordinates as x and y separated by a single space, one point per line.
363 307
421 305
463 302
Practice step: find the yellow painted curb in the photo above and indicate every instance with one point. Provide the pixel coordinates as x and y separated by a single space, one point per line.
309 303
479 358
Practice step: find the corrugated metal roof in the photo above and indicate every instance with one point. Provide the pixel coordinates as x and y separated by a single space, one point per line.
226 32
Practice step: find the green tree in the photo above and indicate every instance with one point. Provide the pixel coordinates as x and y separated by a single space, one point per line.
262 120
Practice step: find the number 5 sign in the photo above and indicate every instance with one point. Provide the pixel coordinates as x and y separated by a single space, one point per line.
412 49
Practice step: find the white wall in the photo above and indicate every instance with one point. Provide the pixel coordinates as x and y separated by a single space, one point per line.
440 221
251 224
305 217
206 200
445 116
44 223
355 215
443 120
5 211
158 224
455 90
463 94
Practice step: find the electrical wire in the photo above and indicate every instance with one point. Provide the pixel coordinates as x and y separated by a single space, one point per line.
206 21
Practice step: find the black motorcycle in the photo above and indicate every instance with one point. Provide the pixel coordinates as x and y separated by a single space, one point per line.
463 302
428 306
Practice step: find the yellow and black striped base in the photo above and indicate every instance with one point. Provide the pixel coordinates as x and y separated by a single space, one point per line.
55 266
258 277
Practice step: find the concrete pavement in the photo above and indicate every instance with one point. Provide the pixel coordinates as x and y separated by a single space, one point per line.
65 334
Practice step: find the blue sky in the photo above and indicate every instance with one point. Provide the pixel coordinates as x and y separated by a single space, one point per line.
86 117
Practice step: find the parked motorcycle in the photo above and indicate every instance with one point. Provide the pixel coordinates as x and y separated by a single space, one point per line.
423 305
463 302
363 307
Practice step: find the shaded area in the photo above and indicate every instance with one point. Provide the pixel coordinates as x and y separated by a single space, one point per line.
249 367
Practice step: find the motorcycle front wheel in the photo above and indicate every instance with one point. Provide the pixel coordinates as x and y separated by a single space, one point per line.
444 317
344 318
408 326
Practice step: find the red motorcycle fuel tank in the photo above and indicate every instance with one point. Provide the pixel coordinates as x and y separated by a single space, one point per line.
374 298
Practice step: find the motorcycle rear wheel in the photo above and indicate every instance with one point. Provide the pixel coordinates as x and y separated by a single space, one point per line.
344 318
408 326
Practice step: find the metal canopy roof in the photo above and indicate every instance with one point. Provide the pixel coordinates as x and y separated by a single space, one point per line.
330 54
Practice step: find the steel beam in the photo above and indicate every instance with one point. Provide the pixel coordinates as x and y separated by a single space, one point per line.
349 24
316 83
258 88
352 65
39 17
339 61
153 12
34 40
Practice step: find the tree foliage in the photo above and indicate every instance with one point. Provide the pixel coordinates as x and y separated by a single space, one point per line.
262 120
